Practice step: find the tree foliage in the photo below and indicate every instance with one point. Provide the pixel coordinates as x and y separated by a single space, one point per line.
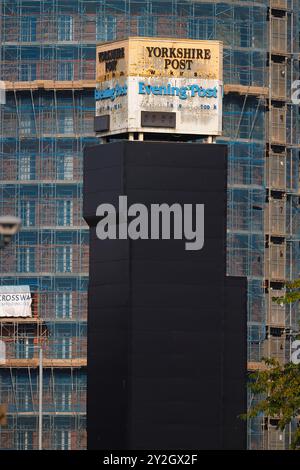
292 293
281 387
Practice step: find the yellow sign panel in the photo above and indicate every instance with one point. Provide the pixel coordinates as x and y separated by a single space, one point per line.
159 85
160 57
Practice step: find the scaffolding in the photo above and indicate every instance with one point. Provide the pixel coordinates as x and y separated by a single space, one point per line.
281 262
47 60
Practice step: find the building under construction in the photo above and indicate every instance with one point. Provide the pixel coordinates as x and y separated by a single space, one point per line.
47 62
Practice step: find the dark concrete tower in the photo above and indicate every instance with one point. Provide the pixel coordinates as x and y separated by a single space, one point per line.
167 328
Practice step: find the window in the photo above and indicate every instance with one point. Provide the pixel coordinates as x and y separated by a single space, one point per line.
64 259
64 398
63 305
28 29
106 28
201 28
27 72
24 349
25 439
66 349
66 123
27 400
66 401
25 397
146 25
65 28
65 71
243 37
28 213
64 213
63 440
26 124
26 259
65 167
26 167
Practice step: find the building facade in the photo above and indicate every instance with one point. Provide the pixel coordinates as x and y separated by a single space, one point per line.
47 60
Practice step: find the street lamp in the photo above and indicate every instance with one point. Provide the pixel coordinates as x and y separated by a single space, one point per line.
9 226
40 428
39 348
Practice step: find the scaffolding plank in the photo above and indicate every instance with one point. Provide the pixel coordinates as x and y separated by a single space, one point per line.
51 85
47 363
256 366
246 90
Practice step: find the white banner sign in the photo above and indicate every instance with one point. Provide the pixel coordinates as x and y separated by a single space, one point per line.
15 301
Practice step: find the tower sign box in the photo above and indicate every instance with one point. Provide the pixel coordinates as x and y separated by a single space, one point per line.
159 85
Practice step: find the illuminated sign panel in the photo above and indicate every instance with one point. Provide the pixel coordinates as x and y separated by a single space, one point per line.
158 75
